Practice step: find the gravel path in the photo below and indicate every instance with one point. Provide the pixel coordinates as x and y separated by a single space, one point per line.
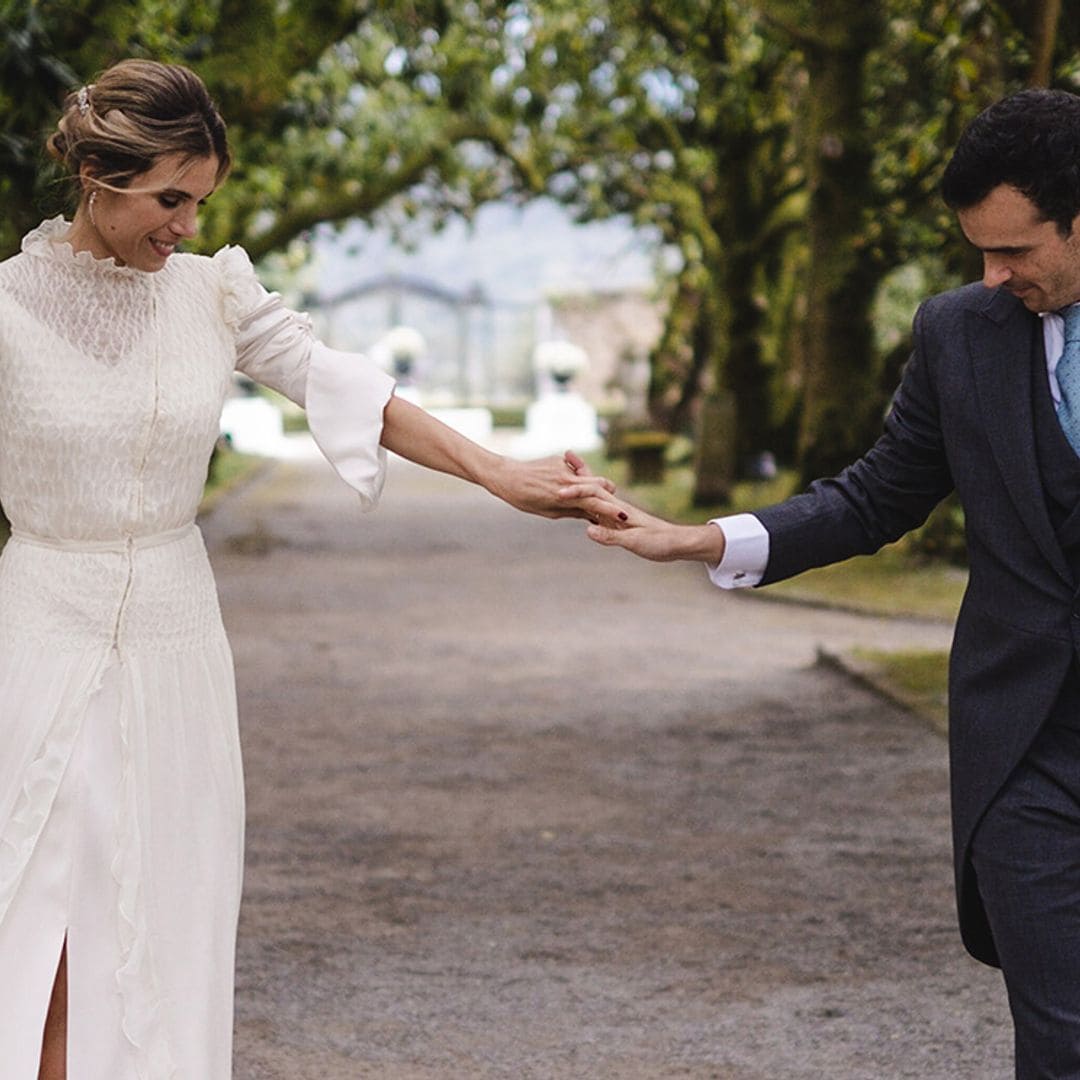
521 807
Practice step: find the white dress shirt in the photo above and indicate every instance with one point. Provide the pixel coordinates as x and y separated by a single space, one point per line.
746 551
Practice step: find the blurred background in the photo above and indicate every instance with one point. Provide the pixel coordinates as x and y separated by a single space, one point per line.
709 221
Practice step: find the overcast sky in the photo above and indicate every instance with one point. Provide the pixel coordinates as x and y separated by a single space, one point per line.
515 254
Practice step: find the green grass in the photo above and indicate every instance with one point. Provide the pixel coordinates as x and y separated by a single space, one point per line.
888 583
918 679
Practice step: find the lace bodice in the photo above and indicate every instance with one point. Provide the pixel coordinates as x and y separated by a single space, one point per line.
112 381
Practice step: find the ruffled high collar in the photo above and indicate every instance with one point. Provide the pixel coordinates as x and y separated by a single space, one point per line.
49 240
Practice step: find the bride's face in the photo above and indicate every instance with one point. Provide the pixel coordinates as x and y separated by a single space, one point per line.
140 226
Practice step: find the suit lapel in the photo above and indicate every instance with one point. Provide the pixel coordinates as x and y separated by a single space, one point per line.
1000 337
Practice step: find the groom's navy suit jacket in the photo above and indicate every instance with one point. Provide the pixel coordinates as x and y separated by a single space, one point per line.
963 418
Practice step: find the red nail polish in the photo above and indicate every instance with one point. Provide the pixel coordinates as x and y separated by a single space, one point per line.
622 516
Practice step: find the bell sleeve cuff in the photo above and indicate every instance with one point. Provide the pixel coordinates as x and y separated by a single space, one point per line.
346 396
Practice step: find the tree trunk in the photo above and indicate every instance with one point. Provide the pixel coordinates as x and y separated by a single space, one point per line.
840 382
714 459
746 375
1044 39
676 369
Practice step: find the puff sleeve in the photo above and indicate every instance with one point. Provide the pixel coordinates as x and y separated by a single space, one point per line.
344 394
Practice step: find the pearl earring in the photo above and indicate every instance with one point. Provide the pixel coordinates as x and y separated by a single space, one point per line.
90 207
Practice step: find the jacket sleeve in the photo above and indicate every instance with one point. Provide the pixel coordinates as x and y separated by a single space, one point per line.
888 491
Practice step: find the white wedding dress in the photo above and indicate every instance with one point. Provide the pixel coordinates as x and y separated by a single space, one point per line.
121 794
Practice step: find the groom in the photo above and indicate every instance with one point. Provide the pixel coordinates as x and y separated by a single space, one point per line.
989 406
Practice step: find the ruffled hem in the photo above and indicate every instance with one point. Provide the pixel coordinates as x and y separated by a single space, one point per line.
49 240
346 395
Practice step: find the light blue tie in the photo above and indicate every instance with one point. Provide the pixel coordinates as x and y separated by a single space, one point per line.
1068 377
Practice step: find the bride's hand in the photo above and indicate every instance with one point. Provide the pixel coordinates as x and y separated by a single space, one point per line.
536 486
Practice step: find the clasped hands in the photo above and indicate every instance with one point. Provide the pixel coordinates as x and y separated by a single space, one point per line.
566 487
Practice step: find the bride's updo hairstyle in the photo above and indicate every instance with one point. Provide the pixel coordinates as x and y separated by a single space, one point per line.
137 112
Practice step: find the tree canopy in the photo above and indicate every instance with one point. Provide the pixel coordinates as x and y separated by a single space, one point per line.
785 154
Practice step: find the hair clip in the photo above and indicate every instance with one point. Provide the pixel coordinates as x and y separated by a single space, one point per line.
82 99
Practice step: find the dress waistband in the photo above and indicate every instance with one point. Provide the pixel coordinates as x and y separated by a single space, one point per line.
120 546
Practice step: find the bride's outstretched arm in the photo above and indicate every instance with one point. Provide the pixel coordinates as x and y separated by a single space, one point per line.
532 486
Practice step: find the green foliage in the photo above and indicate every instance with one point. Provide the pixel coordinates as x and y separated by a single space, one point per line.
890 86
784 154
942 538
331 117
678 115
31 82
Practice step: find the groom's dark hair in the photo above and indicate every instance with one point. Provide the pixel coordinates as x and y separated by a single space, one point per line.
1030 141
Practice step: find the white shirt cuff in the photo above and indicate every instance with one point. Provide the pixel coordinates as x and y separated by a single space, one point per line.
746 552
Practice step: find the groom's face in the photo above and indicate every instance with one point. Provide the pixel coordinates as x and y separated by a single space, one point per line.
1022 251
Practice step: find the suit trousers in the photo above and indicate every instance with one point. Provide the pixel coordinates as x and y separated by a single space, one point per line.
1026 856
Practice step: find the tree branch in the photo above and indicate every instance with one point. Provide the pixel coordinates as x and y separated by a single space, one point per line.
341 205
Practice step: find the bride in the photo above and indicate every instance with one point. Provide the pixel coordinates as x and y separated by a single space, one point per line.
121 794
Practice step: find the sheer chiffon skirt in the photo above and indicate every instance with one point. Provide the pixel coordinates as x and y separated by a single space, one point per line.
121 832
